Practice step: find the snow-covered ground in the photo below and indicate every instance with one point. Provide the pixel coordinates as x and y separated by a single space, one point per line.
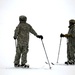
56 70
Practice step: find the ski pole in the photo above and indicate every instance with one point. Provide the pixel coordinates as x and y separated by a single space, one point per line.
59 49
46 54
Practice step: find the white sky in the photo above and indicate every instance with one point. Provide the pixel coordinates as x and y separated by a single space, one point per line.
48 17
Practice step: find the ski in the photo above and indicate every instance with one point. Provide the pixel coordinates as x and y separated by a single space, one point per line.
25 66
58 64
22 66
30 68
61 64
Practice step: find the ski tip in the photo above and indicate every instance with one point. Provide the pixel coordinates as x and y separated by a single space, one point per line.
50 67
52 63
46 62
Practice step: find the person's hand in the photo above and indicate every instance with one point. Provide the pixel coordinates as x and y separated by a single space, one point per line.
40 36
62 35
14 38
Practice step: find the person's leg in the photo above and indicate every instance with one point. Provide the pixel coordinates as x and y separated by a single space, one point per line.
24 55
70 54
17 56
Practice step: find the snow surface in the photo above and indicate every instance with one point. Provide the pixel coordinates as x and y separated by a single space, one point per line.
56 70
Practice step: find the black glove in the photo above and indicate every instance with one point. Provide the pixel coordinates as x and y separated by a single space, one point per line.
40 36
62 35
14 38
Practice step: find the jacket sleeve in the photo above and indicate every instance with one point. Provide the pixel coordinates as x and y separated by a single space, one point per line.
73 33
16 32
33 31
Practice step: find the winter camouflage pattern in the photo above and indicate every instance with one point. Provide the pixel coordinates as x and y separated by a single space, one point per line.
71 44
22 35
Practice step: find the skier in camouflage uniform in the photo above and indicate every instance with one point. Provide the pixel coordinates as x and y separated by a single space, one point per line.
70 42
22 35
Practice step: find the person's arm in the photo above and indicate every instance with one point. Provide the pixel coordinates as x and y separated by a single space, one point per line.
16 32
65 35
34 32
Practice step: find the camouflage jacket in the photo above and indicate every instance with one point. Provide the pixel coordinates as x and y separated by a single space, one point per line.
22 33
71 40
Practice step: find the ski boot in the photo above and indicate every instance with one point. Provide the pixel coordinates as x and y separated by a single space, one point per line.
16 65
25 66
69 62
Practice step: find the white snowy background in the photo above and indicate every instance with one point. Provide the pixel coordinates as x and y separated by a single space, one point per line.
49 18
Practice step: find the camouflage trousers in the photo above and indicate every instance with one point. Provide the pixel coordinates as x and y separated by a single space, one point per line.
21 53
70 52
